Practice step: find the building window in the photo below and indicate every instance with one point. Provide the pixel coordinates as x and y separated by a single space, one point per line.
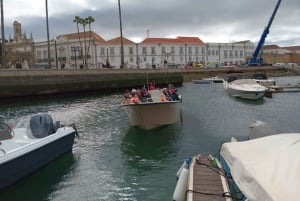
213 52
197 50
163 50
190 50
173 50
152 50
241 54
39 55
131 59
217 52
102 51
202 51
45 54
180 50
225 54
144 50
236 54
230 53
112 51
131 50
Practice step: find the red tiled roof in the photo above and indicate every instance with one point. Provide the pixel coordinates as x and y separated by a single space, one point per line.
178 40
118 41
243 41
292 48
95 36
269 47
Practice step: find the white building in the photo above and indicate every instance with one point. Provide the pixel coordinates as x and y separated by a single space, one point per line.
150 53
67 52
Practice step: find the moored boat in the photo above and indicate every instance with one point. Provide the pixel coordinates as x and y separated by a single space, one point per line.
24 150
265 167
154 112
261 78
245 89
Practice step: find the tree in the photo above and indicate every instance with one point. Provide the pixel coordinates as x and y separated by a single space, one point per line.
89 21
78 20
84 21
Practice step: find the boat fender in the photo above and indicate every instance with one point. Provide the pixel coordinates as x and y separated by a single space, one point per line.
181 186
185 164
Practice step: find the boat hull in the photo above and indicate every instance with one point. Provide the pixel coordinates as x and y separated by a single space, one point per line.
19 163
249 95
245 89
152 115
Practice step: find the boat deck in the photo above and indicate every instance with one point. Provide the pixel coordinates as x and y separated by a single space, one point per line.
205 181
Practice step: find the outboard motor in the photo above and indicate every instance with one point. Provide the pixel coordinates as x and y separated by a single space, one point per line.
260 129
41 125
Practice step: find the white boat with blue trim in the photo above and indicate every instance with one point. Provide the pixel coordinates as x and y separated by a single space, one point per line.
24 150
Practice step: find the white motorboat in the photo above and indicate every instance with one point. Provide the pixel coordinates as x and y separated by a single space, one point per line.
153 113
24 150
215 79
265 167
261 78
245 89
209 80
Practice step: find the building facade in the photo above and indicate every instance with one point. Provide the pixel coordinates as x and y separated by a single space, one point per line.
89 50
19 49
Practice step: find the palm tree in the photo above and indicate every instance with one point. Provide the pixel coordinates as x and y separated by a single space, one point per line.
89 21
78 20
83 22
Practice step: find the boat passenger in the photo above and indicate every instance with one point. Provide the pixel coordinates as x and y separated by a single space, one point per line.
152 85
141 96
133 91
126 98
166 93
163 98
135 99
173 95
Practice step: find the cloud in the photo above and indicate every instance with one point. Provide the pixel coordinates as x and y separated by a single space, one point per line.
211 21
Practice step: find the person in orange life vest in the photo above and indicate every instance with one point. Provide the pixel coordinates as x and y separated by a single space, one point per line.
152 86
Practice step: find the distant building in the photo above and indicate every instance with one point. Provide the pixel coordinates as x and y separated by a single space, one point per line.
19 50
67 52
89 50
110 53
274 54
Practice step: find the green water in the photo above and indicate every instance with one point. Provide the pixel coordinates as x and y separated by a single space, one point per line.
113 161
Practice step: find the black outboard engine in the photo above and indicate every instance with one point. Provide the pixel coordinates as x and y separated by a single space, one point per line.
41 125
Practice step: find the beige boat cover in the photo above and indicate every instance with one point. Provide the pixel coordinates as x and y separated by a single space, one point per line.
267 168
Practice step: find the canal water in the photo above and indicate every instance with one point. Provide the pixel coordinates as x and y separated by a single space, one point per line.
112 161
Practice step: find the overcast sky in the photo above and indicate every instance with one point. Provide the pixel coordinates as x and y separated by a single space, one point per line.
210 20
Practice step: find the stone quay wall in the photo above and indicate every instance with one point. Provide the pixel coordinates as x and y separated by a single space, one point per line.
20 83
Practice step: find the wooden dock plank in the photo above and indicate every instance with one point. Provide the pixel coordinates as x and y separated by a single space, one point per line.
207 181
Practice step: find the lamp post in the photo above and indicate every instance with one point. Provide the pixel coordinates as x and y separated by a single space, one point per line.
121 36
2 35
56 62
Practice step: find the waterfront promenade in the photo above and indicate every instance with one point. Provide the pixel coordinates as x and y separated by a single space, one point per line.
32 82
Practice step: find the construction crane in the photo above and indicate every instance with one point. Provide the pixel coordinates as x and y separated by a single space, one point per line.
255 60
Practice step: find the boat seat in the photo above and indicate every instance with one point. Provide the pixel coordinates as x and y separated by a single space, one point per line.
5 132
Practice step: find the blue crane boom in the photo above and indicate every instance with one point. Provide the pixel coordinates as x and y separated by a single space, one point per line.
255 60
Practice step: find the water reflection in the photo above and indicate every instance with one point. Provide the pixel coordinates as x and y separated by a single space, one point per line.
145 149
43 182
